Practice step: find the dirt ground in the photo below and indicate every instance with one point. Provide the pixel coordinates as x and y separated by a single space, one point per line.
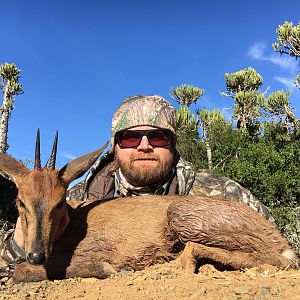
165 281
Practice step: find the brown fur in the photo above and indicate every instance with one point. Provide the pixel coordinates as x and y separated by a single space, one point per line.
49 190
135 232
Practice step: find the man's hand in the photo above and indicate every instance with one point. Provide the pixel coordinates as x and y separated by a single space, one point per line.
19 238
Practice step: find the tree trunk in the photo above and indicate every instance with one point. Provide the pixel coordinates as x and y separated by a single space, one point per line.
5 114
209 155
242 122
290 116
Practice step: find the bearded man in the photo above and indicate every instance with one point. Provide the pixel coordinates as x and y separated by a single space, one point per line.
143 160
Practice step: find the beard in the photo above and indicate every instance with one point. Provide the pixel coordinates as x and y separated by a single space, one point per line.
145 174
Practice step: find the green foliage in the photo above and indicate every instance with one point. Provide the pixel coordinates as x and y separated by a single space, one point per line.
188 143
288 42
244 80
226 143
277 106
288 222
186 120
186 94
275 103
207 119
276 133
243 88
247 107
271 173
288 39
10 85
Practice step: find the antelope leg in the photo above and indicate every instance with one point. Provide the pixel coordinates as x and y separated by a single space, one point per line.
193 252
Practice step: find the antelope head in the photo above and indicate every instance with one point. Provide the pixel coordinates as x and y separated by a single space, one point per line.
41 200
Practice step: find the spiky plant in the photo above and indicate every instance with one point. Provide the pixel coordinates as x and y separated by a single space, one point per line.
11 87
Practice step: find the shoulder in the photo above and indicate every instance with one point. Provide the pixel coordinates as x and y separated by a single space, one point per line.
98 170
207 183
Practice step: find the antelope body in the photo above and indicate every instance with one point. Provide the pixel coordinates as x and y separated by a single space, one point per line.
133 232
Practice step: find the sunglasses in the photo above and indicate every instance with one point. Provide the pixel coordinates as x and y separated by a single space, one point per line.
132 138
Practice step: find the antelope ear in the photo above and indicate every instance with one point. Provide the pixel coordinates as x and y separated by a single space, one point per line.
77 167
12 168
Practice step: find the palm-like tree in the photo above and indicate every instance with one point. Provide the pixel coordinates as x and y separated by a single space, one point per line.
207 118
243 87
11 87
185 95
288 42
288 39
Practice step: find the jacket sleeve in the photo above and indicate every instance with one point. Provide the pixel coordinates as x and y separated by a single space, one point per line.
10 253
207 184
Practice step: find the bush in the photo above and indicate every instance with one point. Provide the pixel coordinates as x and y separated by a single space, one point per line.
288 222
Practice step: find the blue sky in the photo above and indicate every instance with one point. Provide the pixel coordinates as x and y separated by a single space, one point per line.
80 59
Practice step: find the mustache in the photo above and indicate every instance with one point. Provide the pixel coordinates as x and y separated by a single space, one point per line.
144 156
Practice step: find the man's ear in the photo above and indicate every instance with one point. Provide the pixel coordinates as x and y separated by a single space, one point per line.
77 167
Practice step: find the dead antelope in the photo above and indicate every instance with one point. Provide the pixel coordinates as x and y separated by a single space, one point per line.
132 232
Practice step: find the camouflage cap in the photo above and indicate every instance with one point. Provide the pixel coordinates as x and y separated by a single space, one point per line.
144 110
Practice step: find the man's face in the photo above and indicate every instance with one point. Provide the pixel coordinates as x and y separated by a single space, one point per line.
145 165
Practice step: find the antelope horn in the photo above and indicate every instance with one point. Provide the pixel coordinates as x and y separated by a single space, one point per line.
51 165
37 161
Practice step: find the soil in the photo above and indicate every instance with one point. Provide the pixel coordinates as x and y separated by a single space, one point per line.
167 281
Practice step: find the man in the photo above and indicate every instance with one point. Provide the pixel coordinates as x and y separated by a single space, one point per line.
143 161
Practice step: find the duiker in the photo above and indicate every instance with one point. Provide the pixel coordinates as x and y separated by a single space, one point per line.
132 232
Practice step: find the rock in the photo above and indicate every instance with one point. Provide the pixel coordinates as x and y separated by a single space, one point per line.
155 276
265 291
125 273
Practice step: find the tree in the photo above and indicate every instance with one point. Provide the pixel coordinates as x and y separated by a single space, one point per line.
207 118
278 105
288 42
288 39
188 143
11 87
243 87
186 94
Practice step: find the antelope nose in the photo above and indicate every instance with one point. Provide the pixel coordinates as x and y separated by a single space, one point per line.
36 258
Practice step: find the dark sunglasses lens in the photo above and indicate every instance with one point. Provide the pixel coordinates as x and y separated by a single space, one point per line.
159 138
129 139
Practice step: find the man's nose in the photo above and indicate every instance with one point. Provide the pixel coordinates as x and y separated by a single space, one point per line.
144 144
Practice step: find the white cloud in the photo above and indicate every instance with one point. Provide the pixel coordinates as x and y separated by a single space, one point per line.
227 113
286 62
288 81
257 51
